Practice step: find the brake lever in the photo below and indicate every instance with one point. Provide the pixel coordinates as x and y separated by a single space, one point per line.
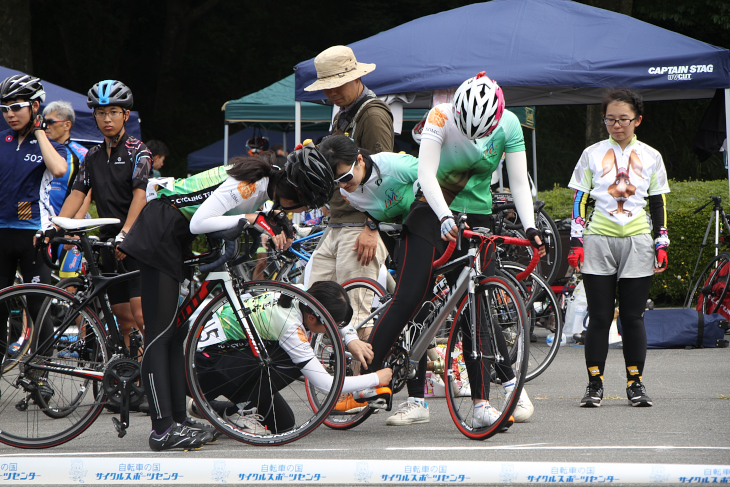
461 223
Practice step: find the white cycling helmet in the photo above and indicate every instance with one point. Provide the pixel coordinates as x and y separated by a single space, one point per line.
478 106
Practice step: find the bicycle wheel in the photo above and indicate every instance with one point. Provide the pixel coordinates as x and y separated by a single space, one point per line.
710 288
498 308
544 317
365 299
217 369
46 399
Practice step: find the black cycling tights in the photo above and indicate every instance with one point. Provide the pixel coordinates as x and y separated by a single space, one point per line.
163 361
632 296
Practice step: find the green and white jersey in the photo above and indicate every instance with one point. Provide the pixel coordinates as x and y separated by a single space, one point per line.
619 181
188 194
466 166
387 195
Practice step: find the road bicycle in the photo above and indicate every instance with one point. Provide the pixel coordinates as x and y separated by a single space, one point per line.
56 388
476 306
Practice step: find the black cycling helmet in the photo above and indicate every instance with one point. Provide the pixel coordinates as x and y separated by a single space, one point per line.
110 93
22 86
310 174
258 144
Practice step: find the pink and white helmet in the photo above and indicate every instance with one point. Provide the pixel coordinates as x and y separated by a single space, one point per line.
478 106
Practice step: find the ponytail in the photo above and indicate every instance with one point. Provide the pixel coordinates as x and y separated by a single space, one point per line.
251 169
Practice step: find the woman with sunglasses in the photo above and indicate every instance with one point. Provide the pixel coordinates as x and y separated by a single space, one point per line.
28 163
161 238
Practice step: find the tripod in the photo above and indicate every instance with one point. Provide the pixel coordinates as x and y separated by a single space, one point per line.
717 214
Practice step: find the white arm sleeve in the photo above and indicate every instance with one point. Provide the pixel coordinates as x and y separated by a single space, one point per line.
320 378
210 217
428 165
520 186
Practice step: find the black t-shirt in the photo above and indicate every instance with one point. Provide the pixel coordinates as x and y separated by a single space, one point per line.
114 178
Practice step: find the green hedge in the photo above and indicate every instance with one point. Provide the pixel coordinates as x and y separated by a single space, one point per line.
686 231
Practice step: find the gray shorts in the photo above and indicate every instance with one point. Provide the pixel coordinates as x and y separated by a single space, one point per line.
628 257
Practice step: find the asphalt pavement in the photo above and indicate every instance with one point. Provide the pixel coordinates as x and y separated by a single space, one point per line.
688 425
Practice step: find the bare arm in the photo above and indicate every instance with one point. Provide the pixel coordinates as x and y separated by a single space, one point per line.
56 164
139 199
84 207
72 204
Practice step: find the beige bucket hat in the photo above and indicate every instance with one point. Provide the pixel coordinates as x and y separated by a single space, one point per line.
336 66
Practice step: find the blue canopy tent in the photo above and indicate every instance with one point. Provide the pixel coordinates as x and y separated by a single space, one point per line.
542 52
84 130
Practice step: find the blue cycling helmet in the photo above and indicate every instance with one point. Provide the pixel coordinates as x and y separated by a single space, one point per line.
110 93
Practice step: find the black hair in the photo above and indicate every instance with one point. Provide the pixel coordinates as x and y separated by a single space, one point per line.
340 149
334 299
626 96
277 147
157 148
263 165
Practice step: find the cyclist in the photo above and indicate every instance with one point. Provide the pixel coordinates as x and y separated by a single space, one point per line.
116 171
236 374
29 160
59 118
461 146
616 249
211 201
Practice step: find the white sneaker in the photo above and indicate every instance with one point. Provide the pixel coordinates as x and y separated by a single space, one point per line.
410 412
524 408
484 415
249 423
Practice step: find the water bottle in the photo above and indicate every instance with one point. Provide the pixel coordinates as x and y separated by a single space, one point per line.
184 291
551 337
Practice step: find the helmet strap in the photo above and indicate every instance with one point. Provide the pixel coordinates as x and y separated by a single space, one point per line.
26 130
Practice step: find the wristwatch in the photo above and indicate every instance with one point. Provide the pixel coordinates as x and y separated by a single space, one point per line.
371 225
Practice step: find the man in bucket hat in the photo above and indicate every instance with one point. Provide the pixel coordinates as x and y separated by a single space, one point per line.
352 246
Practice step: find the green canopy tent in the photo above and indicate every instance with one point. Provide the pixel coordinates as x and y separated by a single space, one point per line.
273 108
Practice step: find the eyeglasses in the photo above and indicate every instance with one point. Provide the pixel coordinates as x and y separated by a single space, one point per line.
112 114
50 121
14 107
347 177
623 122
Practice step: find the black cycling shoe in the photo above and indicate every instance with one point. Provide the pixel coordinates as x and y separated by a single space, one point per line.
197 425
178 436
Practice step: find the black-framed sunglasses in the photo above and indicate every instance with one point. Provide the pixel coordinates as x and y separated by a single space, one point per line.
15 107
347 177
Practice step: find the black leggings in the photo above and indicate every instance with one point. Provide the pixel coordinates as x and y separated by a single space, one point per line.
414 284
632 296
163 371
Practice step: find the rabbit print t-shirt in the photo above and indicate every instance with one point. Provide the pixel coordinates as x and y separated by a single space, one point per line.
619 181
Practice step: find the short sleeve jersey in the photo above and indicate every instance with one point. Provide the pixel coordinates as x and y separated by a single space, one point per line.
24 181
114 178
61 187
273 322
388 193
466 166
619 181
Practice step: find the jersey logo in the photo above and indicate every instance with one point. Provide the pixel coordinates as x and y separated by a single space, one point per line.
302 335
621 189
246 189
392 197
8 138
437 117
119 161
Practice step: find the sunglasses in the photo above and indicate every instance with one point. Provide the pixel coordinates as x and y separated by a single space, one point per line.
347 177
50 121
14 107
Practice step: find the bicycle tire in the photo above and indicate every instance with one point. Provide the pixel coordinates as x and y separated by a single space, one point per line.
18 330
544 317
711 286
362 290
48 407
297 391
499 300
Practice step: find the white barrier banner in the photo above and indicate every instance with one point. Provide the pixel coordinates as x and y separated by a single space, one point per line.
30 470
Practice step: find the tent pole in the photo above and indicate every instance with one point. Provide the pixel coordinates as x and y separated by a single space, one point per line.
297 122
283 140
534 159
727 136
225 143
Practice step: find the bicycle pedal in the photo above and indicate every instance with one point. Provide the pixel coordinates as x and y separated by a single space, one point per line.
120 427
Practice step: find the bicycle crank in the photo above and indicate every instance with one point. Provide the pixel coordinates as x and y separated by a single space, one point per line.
123 388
